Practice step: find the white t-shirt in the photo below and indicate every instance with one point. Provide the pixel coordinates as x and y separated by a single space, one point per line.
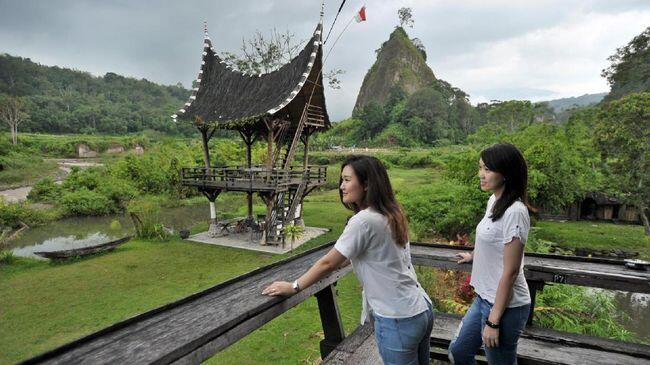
390 285
491 238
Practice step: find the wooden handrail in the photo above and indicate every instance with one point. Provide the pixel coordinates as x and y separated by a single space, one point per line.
196 327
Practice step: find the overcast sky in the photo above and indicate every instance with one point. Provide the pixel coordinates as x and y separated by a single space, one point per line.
491 49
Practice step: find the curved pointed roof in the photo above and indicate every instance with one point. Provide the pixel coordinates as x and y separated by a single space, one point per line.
230 98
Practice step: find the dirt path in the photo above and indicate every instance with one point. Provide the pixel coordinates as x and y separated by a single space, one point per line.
20 194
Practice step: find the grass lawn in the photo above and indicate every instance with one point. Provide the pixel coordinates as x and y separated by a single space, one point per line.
596 235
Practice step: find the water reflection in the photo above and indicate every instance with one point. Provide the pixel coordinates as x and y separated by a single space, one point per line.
63 243
80 232
636 306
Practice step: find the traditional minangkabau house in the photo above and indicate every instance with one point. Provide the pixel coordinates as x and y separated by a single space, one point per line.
284 108
598 206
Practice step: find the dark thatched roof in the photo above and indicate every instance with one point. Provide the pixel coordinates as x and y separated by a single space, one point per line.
602 199
231 99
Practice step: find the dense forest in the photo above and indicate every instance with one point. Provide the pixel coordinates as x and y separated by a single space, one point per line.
60 100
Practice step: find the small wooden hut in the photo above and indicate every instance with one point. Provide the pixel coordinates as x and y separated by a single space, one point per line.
284 108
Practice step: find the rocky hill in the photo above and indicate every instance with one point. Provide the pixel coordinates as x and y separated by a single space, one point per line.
399 64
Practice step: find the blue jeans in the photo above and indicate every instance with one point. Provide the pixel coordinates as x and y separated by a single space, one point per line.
404 341
468 339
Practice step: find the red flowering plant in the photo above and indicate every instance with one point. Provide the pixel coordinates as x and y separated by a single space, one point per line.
464 292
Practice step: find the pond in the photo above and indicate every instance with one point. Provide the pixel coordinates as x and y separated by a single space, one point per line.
80 232
635 305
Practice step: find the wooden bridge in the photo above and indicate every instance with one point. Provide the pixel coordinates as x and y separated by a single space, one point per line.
194 328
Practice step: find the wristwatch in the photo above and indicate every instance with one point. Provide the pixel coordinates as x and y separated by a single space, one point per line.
296 286
491 325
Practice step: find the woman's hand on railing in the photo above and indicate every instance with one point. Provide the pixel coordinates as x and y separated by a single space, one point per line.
279 288
464 257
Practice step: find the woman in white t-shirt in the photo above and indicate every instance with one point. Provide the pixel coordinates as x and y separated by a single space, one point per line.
375 241
499 313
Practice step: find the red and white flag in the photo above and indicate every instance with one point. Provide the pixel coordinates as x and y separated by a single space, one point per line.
361 15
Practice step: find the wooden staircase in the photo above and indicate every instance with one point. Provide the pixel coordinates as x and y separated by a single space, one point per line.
283 212
285 203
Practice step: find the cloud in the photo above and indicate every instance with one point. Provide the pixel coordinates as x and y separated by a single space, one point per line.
491 49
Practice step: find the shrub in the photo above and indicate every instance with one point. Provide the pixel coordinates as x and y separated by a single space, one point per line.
445 208
86 202
79 179
462 166
118 191
145 214
6 257
46 190
582 310
11 214
415 159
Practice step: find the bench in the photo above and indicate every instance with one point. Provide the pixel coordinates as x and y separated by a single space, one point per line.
536 346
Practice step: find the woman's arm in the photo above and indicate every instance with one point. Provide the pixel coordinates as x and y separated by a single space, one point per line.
464 257
512 254
325 265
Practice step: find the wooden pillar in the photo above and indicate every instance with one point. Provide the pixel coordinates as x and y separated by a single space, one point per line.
212 196
306 153
330 319
206 134
206 151
269 158
248 140
533 287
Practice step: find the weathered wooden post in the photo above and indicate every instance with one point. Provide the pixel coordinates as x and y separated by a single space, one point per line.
533 287
330 319
206 134
248 140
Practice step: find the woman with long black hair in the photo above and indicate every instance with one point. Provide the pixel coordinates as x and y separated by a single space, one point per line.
375 241
499 313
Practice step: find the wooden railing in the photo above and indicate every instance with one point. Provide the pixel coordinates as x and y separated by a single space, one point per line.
196 327
254 178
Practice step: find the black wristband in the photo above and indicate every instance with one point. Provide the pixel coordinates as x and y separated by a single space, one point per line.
491 325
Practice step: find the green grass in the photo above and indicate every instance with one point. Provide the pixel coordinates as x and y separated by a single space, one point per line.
596 235
24 170
45 305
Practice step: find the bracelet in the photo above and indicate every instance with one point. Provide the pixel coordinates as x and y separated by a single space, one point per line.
491 324
296 286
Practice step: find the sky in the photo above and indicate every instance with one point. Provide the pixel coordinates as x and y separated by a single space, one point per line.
491 49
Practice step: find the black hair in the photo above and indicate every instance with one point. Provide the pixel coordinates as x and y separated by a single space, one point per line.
379 195
507 160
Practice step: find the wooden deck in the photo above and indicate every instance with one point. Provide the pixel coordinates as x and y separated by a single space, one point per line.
537 346
254 179
196 327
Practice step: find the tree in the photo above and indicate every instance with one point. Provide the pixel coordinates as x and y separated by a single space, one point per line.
11 112
374 120
512 114
405 17
629 71
332 78
264 54
420 46
622 135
